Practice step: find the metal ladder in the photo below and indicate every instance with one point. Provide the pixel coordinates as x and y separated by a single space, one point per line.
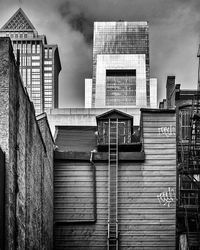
112 242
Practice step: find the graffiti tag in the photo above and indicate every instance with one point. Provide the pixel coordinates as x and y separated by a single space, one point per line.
167 131
167 198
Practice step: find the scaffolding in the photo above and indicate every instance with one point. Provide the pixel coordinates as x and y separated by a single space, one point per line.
189 179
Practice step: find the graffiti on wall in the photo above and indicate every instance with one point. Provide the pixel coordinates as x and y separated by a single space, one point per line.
167 131
167 198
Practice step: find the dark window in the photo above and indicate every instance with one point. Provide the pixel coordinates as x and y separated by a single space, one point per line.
124 131
120 87
121 72
184 123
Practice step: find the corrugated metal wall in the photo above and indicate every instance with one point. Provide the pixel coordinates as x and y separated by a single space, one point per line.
158 175
75 191
144 223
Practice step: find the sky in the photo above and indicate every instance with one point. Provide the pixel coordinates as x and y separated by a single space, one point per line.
174 37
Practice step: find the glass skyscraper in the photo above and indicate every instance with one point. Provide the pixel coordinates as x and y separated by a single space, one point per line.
121 69
39 62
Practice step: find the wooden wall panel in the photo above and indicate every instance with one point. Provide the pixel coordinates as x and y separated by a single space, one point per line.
144 223
91 235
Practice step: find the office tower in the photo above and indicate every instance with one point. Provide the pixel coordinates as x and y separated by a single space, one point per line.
121 69
39 62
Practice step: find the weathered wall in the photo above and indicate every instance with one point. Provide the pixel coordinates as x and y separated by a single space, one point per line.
145 222
2 198
47 183
158 176
26 161
75 227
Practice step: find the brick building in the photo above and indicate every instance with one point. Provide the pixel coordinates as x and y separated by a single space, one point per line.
28 147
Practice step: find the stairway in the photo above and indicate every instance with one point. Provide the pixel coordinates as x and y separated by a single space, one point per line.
113 185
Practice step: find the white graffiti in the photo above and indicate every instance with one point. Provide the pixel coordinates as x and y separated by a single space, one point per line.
167 131
167 198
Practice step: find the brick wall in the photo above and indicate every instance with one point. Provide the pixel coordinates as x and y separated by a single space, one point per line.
28 225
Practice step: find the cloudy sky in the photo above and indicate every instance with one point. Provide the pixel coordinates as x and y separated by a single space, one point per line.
174 36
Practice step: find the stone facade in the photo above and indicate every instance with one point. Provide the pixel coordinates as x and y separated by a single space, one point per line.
29 162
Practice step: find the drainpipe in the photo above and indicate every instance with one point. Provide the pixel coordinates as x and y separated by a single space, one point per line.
94 182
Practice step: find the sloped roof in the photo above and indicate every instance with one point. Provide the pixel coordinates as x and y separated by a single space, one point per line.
114 113
19 21
75 138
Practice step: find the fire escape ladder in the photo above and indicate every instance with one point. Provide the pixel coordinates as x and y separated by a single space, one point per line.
113 185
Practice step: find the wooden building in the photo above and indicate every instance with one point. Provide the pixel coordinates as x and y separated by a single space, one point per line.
115 184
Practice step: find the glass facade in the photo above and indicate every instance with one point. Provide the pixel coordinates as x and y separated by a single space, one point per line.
122 38
120 87
39 62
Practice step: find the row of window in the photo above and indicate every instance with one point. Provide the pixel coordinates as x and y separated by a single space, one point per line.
27 47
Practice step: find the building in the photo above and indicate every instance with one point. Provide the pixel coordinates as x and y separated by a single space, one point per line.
121 67
26 164
39 62
121 75
115 183
187 105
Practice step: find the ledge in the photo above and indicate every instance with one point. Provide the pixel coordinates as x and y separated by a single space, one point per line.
99 156
157 110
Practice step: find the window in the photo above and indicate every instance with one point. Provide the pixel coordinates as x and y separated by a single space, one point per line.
48 68
47 62
124 131
33 48
35 63
46 53
28 47
28 61
35 57
184 123
50 53
38 48
120 87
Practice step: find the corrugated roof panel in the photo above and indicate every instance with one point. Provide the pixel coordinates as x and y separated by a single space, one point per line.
78 139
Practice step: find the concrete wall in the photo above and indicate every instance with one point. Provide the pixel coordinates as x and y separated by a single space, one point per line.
121 61
88 93
84 116
27 162
153 93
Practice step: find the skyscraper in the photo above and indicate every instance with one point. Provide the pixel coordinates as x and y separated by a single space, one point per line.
121 69
39 62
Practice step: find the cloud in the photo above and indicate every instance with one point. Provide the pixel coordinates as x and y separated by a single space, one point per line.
174 36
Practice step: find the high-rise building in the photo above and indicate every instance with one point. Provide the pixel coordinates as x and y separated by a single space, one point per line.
121 69
39 62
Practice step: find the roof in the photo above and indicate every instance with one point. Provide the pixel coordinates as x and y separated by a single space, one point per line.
75 138
114 113
19 21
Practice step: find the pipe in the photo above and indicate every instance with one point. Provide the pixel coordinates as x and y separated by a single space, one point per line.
94 182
